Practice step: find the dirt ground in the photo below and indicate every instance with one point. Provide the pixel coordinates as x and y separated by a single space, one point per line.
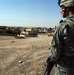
24 56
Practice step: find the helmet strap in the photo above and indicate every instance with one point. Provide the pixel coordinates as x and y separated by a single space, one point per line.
65 12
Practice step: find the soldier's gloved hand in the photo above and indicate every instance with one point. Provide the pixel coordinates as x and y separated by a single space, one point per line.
48 59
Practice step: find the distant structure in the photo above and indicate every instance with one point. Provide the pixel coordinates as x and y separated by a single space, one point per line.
31 32
25 31
3 29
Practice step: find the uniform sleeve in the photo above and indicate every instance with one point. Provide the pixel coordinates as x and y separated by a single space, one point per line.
56 46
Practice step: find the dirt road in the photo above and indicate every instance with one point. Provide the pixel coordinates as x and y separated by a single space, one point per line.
23 56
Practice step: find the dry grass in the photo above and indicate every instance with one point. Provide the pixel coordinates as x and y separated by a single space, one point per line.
23 56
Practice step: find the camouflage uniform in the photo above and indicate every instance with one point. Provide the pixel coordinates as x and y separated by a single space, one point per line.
62 47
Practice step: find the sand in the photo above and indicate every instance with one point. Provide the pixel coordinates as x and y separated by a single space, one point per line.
24 56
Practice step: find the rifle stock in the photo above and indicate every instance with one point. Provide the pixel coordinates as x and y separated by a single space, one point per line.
49 67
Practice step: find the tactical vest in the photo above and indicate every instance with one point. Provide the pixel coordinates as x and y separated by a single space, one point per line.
68 42
67 56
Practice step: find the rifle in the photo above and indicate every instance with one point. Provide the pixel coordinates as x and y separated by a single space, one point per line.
49 66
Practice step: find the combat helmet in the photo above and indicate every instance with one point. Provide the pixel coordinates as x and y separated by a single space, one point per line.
66 3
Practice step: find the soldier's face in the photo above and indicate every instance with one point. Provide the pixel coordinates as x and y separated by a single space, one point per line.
63 12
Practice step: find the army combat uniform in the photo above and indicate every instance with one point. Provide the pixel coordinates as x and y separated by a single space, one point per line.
62 47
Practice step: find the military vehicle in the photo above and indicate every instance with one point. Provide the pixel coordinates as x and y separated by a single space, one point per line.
33 32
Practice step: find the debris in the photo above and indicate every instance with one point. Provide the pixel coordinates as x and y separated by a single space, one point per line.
20 61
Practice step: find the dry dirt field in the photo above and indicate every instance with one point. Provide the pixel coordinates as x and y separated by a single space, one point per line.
23 56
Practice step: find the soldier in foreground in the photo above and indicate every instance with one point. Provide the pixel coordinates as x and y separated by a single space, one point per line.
62 46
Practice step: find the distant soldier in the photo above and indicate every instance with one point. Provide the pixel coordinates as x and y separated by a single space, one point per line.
62 46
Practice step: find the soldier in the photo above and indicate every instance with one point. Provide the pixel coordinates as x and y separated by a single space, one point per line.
62 46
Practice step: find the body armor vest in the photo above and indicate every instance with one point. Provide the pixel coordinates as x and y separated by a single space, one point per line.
67 56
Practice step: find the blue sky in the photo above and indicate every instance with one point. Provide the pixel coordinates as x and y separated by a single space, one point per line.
34 13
